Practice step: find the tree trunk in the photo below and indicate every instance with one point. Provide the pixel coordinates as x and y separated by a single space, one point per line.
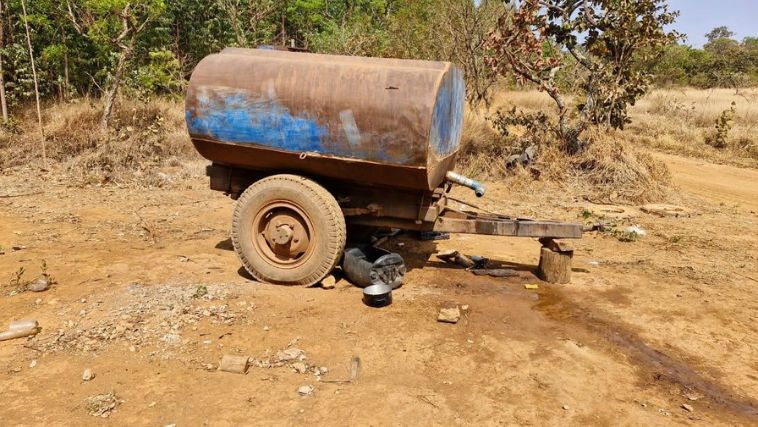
36 85
3 103
110 95
65 66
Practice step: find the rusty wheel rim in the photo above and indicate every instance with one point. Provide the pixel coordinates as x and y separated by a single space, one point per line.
283 234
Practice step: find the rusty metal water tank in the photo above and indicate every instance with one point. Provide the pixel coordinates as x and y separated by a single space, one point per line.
366 120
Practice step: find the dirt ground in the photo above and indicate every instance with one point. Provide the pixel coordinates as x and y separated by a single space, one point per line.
149 296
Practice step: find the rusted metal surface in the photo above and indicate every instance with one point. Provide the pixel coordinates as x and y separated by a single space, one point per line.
375 121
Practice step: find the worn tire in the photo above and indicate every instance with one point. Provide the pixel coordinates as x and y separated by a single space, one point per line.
315 202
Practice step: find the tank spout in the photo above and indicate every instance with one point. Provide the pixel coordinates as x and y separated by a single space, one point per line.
478 187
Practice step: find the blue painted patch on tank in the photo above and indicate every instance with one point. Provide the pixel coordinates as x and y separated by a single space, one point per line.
228 115
234 116
447 120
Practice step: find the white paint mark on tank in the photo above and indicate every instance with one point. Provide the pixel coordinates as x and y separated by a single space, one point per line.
350 127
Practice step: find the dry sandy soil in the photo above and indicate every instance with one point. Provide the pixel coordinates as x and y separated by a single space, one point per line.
149 296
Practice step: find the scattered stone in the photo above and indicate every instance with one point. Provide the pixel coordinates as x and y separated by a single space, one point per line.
329 282
300 367
234 364
101 405
664 210
201 291
305 390
612 211
531 286
687 407
266 328
40 284
88 375
172 339
38 301
693 396
290 354
33 363
449 315
18 248
565 407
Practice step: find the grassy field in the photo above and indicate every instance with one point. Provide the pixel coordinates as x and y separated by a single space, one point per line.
677 121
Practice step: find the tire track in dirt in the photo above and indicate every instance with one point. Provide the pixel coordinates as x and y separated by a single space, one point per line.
714 182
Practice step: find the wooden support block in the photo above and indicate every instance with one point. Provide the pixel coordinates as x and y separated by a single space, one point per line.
555 267
557 245
234 364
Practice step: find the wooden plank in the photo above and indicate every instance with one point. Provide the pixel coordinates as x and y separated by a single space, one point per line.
509 227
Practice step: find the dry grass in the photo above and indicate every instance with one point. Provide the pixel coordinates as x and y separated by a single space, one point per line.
679 120
611 171
146 140
148 143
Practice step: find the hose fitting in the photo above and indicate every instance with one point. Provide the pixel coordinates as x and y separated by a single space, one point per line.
456 178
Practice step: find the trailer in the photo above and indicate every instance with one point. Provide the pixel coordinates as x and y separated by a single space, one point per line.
317 147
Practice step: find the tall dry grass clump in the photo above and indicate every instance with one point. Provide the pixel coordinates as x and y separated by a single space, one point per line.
610 170
144 138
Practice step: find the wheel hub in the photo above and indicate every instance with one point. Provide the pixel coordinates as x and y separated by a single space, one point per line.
283 234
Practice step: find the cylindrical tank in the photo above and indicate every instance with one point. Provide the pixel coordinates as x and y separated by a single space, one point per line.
367 120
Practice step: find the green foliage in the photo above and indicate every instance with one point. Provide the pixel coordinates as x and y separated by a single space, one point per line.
723 62
605 38
720 137
161 75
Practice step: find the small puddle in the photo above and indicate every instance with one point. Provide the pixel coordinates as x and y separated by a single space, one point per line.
661 366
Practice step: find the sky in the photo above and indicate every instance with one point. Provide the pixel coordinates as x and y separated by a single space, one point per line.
701 16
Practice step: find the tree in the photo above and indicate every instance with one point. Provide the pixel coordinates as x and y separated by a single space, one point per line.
463 28
113 26
722 32
3 103
247 18
538 38
36 86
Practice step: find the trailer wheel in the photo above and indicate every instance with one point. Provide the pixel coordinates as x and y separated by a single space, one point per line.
288 230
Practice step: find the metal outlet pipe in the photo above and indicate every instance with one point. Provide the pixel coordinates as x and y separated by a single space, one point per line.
478 187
